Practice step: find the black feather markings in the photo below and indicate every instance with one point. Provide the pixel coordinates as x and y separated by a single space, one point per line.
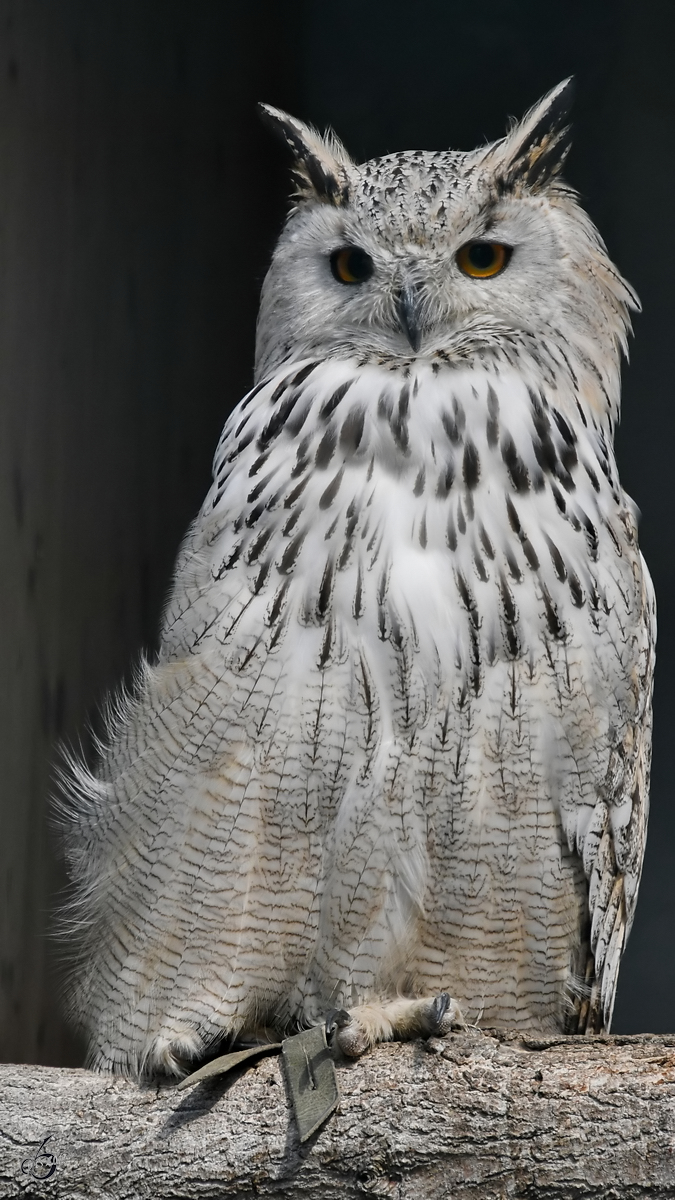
530 553
327 645
479 566
592 539
469 602
353 513
381 597
454 424
258 464
514 519
279 391
445 480
470 465
254 515
260 486
278 420
308 170
328 495
595 482
544 449
568 434
485 541
292 521
278 603
461 520
518 472
357 603
560 501
261 577
258 545
555 625
557 559
250 397
576 590
514 570
328 408
297 419
304 373
326 448
398 419
240 447
325 589
230 560
510 619
528 549
291 552
296 492
535 154
301 458
351 433
492 429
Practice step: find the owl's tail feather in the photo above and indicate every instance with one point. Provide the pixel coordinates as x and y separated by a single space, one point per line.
591 996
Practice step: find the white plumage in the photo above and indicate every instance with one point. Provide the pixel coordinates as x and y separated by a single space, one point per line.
397 738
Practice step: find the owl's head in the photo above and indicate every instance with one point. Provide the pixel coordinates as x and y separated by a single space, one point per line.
442 254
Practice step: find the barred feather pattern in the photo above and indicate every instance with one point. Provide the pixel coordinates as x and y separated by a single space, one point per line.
397 738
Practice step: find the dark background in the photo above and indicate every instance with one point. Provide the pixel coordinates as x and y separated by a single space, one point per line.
139 203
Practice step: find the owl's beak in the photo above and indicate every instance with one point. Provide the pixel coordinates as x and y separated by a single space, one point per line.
409 308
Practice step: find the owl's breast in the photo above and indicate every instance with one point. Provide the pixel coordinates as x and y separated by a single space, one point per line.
454 527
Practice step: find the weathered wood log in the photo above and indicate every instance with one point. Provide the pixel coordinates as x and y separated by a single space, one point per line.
473 1115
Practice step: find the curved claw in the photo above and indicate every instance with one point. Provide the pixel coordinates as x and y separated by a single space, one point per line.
338 1018
438 1009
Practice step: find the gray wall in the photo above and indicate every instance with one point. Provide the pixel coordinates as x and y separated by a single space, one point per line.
138 205
139 200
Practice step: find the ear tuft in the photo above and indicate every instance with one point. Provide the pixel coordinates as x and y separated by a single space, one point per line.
321 164
535 150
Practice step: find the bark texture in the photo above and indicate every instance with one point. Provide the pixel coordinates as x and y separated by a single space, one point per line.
473 1115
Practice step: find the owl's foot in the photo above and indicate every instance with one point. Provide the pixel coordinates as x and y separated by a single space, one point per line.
361 1028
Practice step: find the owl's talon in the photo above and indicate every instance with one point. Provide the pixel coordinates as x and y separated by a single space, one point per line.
337 1019
438 1010
444 1015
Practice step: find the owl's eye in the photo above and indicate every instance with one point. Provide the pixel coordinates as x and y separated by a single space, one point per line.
481 260
351 265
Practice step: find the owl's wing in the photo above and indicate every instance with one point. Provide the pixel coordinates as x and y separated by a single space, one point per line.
612 843
196 845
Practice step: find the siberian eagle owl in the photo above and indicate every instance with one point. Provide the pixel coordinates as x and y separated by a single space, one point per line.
395 746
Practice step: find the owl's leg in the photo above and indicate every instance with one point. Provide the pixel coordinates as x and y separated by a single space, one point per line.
361 1028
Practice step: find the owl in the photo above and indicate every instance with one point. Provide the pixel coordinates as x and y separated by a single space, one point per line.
391 762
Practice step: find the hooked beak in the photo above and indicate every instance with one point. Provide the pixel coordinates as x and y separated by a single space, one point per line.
410 314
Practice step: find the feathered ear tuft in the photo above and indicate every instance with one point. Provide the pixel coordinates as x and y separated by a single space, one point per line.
321 164
535 150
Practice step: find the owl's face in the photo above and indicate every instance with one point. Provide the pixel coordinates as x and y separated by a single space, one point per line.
433 254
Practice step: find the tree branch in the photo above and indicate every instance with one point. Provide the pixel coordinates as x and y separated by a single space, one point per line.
473 1115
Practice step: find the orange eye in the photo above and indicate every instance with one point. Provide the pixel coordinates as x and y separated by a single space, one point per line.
481 260
351 265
